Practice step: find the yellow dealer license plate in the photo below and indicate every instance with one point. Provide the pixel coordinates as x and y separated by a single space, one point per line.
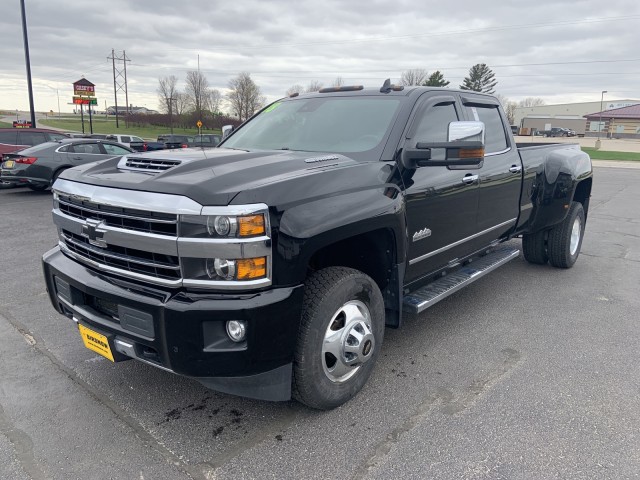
9 163
96 342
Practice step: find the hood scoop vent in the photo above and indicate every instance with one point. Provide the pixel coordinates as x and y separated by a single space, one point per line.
147 164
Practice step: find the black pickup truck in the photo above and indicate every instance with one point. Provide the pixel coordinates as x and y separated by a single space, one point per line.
269 267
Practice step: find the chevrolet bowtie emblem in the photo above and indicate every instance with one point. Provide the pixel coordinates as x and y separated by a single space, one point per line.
93 232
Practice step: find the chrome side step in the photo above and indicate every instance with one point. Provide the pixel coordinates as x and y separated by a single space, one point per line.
427 296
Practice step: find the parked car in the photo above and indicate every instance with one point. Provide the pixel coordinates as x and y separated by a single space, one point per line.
165 142
206 140
14 139
39 166
121 139
268 267
558 132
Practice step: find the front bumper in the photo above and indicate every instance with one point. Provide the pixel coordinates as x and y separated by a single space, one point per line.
184 332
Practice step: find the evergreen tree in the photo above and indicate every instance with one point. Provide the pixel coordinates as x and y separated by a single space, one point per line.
481 79
436 79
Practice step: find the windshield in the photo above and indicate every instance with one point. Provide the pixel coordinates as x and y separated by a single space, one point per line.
332 124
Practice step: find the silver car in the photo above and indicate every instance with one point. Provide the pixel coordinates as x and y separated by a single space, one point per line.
38 167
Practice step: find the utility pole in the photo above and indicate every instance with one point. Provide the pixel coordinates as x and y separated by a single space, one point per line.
120 79
126 91
28 62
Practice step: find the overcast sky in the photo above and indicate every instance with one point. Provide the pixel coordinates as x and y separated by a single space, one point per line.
561 51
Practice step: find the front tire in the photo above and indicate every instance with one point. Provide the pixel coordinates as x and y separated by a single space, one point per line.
38 187
340 336
565 239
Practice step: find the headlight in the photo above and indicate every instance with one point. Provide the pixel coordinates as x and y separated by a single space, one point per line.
222 226
240 269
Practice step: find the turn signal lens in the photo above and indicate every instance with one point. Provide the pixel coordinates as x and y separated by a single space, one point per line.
471 153
251 268
251 225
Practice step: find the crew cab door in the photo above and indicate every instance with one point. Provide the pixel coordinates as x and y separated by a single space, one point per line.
441 202
501 173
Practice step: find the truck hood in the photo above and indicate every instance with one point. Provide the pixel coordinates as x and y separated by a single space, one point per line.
210 177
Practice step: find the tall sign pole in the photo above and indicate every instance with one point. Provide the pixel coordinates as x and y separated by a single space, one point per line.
28 62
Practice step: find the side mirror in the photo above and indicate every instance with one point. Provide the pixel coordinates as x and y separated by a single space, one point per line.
226 130
465 147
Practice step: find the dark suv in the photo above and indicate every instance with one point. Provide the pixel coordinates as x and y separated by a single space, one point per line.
14 139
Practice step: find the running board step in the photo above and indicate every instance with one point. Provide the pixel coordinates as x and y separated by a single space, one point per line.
427 296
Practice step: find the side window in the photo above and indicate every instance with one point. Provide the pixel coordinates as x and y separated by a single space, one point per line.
114 149
495 137
136 139
434 124
31 138
54 137
86 148
66 148
124 139
8 138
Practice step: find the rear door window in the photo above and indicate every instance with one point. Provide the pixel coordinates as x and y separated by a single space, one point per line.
124 139
54 137
90 148
495 136
115 149
31 138
8 138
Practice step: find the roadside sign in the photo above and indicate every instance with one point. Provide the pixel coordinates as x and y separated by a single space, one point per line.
85 101
199 124
84 88
22 124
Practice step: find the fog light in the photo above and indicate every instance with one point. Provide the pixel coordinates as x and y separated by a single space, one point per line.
237 330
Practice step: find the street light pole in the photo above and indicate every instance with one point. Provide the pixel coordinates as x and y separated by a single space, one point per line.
28 63
600 121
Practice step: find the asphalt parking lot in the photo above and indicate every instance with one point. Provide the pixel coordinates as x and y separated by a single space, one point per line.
530 373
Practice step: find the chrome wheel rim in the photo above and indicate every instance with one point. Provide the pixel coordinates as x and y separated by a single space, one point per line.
348 342
575 236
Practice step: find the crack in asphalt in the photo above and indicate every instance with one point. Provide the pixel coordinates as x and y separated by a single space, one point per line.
147 439
449 405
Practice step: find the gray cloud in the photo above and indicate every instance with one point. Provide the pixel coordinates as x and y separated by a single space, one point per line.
283 43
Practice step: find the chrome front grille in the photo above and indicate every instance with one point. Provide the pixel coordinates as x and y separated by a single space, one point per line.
156 265
135 235
150 164
126 218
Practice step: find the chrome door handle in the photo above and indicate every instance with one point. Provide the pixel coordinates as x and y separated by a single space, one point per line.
515 169
468 179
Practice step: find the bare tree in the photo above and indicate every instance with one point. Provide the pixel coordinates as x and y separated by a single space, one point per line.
197 91
244 96
297 88
508 106
167 93
313 86
338 82
531 102
415 76
181 103
214 101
